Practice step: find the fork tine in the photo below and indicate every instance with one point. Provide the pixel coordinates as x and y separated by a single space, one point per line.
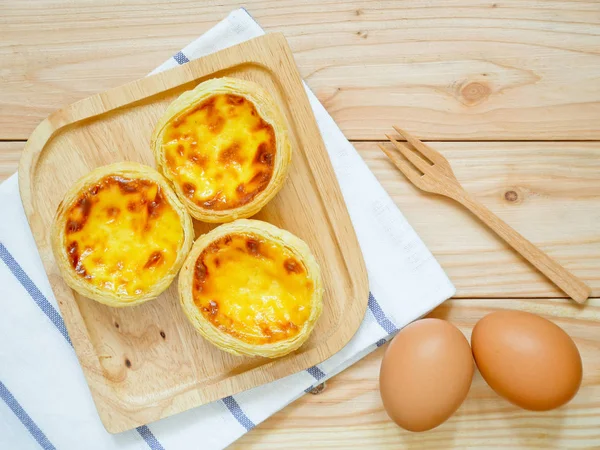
408 170
433 155
419 162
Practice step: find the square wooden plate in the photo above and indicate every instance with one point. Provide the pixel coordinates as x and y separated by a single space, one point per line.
147 362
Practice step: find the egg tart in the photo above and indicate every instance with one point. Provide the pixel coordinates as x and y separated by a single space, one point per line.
120 235
251 288
224 146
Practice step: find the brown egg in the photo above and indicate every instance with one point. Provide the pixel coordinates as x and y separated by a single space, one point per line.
527 359
425 374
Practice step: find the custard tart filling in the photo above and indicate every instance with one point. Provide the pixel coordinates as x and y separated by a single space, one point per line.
254 289
122 235
221 152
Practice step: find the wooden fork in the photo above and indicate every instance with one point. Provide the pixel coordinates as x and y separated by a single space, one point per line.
431 172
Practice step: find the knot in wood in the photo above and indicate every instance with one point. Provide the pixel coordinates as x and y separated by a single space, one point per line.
511 196
475 92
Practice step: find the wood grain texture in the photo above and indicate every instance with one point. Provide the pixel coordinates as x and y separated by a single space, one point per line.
553 199
147 362
10 153
459 69
548 192
349 412
455 70
430 171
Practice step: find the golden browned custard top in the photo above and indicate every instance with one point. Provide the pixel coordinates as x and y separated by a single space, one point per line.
221 153
252 288
122 235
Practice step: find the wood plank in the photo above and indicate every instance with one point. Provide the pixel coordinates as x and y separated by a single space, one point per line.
557 207
460 69
10 152
349 413
549 192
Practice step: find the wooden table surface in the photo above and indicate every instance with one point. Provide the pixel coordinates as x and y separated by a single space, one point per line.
507 90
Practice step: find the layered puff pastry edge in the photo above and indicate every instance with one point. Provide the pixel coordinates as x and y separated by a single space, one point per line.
251 288
224 146
120 234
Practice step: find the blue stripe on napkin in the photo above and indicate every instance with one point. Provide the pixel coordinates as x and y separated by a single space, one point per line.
316 372
25 419
237 412
58 321
149 438
181 58
34 292
380 342
380 317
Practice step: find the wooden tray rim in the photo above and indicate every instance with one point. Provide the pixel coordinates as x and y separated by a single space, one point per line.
102 103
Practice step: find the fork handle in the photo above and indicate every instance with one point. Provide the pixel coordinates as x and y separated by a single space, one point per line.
561 277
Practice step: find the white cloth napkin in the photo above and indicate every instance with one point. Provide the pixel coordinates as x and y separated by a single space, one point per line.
46 401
